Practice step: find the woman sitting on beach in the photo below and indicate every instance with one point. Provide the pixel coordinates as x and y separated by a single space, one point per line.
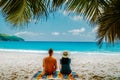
65 64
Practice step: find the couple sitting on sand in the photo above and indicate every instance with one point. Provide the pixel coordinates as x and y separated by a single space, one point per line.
50 64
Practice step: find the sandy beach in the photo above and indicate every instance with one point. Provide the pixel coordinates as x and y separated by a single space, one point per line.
23 65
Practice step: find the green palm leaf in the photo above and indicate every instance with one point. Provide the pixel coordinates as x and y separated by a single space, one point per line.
91 9
19 12
109 23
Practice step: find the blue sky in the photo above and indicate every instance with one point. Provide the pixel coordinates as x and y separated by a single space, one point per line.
59 27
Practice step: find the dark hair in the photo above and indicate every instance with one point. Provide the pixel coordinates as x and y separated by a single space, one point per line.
50 51
65 60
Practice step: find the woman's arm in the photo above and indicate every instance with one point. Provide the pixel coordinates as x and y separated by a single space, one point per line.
60 66
43 63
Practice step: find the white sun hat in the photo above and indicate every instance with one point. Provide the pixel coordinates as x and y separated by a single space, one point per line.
65 54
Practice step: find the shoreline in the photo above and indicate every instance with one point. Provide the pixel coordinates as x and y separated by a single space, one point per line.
23 65
59 52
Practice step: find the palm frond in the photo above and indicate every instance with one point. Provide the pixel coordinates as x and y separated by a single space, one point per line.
109 23
19 12
55 4
3 2
91 9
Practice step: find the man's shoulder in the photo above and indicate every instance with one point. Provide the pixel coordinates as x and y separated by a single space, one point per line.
54 58
50 58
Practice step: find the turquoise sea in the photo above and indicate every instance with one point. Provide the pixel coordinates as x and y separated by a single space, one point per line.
73 47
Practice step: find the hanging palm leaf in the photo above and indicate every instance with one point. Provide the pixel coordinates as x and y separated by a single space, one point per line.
19 12
91 9
109 23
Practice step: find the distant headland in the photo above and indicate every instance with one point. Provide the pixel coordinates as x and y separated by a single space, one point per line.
6 37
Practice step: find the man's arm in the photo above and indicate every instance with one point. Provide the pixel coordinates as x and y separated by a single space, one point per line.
43 63
56 64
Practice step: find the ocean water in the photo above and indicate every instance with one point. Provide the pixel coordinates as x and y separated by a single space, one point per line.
73 47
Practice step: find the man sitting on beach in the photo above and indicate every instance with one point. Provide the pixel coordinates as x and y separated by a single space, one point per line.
49 63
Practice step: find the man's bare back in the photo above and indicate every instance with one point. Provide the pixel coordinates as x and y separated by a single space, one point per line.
49 63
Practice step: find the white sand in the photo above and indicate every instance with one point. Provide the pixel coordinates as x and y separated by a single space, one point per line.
22 66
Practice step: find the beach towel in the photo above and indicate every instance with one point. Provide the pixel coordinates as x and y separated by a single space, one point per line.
55 76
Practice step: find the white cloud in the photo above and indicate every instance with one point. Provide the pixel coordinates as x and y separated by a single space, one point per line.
66 1
28 35
76 18
55 33
66 12
33 20
77 31
95 29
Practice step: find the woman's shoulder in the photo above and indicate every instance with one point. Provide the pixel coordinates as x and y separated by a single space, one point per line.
66 59
69 58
